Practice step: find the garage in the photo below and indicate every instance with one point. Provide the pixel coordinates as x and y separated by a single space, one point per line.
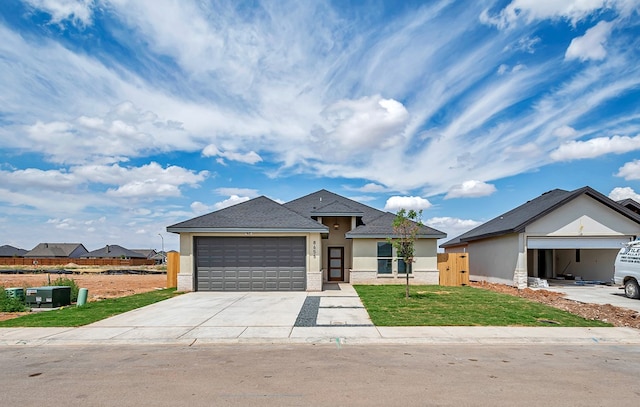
575 258
250 263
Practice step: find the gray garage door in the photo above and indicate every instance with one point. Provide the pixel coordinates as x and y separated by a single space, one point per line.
250 263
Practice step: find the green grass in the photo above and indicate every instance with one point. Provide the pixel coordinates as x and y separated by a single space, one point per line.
459 306
90 312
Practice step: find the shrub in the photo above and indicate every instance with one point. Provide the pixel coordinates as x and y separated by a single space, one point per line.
68 282
10 304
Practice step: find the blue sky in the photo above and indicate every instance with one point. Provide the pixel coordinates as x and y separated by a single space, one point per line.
119 118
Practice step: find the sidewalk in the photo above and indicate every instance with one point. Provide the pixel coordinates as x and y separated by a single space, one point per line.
333 316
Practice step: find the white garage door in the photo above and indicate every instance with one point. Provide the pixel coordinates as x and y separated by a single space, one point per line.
250 263
576 242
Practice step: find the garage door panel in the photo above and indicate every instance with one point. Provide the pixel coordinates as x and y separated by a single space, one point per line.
250 264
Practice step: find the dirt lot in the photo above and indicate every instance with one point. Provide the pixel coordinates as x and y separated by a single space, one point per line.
99 286
616 316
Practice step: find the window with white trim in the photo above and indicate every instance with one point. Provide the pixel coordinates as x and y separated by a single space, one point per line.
385 258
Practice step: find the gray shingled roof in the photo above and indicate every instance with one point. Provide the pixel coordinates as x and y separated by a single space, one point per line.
317 200
382 227
258 214
336 208
148 253
10 251
111 252
516 220
47 250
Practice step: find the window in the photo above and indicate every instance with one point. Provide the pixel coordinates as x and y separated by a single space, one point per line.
385 257
402 267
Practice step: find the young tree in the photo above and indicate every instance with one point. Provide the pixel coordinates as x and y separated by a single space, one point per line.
406 227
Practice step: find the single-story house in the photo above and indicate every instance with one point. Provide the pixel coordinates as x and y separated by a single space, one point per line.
560 234
10 251
57 250
322 237
113 251
159 257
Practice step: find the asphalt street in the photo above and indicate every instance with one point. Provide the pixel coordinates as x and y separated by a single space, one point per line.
321 375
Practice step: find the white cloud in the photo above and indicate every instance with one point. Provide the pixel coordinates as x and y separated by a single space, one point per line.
591 44
630 171
470 189
530 11
199 208
248 158
356 125
565 132
232 200
595 147
150 181
251 193
41 179
78 11
452 226
371 187
620 193
395 203
144 189
124 131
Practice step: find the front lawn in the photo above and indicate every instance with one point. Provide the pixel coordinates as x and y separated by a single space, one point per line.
90 312
459 306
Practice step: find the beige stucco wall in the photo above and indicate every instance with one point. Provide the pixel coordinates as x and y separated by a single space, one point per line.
496 260
187 263
365 263
583 216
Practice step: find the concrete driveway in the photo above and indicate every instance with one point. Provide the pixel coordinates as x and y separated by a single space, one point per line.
597 294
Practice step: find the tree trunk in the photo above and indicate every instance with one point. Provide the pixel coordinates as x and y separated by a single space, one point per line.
406 272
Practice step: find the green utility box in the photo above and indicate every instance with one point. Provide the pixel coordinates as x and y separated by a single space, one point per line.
48 296
15 292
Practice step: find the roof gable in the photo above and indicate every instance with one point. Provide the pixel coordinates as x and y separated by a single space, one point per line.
630 204
57 250
336 208
516 220
10 251
382 227
260 213
113 251
309 205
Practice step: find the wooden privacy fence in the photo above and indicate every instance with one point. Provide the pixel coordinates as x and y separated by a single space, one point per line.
453 268
61 261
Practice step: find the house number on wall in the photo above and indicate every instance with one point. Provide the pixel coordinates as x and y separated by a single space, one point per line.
314 249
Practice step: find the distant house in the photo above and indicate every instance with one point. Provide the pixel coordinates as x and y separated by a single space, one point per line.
630 204
560 234
151 254
113 252
147 253
10 251
57 250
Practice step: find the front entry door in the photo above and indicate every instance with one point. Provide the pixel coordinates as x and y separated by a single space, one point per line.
336 264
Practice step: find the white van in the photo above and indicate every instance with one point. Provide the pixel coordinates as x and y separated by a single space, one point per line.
627 269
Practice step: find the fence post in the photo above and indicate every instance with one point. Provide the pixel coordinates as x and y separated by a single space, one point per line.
173 267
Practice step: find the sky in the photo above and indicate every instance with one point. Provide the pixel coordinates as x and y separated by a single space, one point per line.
119 118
